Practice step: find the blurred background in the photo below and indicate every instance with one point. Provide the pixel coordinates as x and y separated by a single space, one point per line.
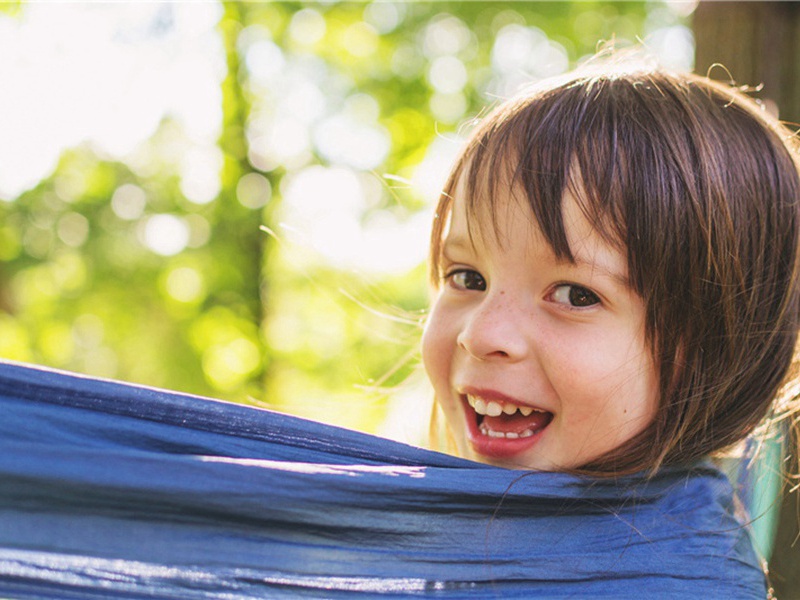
234 200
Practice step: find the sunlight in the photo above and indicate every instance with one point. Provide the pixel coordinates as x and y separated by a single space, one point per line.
521 55
165 234
104 74
128 201
322 210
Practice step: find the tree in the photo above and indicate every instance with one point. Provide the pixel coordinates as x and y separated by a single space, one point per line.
756 44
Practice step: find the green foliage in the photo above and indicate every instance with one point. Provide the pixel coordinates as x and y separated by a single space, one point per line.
11 7
250 314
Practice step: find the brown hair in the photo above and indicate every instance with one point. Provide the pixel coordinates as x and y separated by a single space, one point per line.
700 188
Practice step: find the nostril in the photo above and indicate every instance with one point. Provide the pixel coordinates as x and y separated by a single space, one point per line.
492 334
483 347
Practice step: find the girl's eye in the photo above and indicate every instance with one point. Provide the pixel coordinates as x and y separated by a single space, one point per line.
575 296
467 279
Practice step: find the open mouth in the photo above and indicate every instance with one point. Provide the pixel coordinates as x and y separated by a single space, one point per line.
500 428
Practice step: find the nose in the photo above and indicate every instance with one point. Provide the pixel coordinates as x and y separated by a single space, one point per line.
495 330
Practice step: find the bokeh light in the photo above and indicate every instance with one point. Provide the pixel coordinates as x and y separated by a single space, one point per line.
165 234
145 145
129 201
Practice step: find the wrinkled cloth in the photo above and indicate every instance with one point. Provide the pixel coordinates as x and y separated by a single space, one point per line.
110 490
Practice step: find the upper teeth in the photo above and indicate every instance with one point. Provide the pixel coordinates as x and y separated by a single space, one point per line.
495 409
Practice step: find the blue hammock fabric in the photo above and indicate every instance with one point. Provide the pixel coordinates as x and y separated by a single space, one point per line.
109 490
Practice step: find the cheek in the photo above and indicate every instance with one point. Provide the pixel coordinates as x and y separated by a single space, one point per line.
612 376
437 346
631 394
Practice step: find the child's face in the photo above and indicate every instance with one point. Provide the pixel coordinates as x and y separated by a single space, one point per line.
512 328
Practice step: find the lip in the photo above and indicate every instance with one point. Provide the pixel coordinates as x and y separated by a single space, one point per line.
488 446
487 394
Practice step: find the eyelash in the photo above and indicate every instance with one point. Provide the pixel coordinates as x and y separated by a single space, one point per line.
572 288
595 299
450 275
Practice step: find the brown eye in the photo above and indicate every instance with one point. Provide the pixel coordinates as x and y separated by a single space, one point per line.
467 279
575 296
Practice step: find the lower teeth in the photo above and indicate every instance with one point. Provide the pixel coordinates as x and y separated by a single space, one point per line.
509 435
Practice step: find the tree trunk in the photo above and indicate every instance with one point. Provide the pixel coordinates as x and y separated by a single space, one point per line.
237 226
757 43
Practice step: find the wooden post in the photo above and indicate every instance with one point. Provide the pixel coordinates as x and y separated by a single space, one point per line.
758 42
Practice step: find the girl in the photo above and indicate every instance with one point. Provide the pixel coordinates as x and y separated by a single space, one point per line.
615 258
615 265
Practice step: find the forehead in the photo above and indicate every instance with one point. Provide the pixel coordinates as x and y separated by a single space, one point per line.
489 198
477 223
486 208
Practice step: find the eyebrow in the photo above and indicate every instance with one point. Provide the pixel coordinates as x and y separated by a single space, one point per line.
580 261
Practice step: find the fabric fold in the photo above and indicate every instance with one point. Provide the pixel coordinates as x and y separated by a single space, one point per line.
115 490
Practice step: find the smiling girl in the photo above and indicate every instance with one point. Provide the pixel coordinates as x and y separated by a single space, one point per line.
615 263
615 269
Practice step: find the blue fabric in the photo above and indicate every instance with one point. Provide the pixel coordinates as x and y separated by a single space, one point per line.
113 490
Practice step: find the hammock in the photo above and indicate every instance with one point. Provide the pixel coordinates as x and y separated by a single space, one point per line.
114 490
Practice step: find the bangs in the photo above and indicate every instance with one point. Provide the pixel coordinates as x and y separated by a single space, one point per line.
611 142
532 152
